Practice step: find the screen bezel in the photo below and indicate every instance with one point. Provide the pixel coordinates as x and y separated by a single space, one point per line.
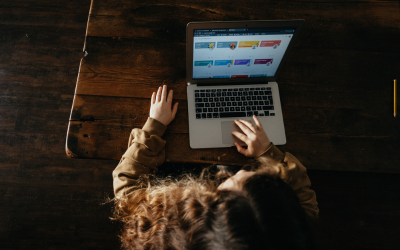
236 24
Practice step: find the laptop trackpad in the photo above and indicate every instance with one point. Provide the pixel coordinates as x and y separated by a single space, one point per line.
227 128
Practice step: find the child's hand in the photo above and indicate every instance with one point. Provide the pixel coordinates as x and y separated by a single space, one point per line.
255 137
161 106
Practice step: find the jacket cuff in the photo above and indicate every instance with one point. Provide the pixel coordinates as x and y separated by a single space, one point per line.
273 153
154 127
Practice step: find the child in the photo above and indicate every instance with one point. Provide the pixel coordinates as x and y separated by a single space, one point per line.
268 208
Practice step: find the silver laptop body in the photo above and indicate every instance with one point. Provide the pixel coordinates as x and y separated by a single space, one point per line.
231 74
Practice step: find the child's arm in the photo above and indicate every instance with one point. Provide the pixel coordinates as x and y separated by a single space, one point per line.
285 165
145 146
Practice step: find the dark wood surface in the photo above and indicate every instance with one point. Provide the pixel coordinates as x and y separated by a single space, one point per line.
336 87
48 201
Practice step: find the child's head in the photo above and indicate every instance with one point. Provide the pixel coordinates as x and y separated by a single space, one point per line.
259 212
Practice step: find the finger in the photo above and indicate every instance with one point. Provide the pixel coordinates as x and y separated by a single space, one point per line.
170 96
164 94
243 127
153 98
240 149
258 123
240 136
175 109
159 94
249 125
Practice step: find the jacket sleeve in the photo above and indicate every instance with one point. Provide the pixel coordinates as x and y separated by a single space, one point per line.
291 171
144 154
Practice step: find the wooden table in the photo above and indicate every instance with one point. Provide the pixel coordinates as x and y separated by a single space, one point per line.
336 88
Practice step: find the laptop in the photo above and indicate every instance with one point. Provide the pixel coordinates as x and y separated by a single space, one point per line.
232 69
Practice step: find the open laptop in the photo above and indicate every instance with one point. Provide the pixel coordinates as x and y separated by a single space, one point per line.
232 69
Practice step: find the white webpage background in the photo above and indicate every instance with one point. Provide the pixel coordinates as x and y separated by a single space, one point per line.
239 53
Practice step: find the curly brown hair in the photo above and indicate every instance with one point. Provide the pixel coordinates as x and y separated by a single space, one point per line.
190 213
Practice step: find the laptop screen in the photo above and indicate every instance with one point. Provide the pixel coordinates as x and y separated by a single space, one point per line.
239 52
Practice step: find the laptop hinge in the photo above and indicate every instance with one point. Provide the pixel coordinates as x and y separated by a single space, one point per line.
231 83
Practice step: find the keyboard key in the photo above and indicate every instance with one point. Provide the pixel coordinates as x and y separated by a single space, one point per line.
232 109
240 94
246 89
202 95
262 88
227 99
232 114
261 92
251 103
210 110
197 95
232 99
212 105
255 103
221 99
207 94
243 98
248 98
205 110
216 99
198 116
223 104
202 90
251 92
219 94
198 99
259 108
255 92
223 93
215 115
234 93
249 114
226 109
209 115
218 104
257 88
266 113
229 94
253 108
213 90
215 109
248 108
198 110
213 95
237 108
268 92
251 88
241 89
264 97
260 114
228 104
239 103
245 93
272 114
254 98
268 107
224 90
205 99
242 108
207 90
221 109
256 113
237 98
235 89
261 103
268 88
204 115
229 89
219 90
245 103
207 104
234 103
199 105
196 90
265 103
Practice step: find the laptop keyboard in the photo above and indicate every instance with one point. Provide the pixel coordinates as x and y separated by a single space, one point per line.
233 102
